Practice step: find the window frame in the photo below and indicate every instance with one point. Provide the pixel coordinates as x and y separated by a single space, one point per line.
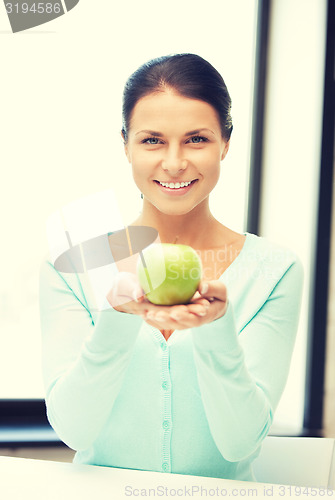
23 423
317 334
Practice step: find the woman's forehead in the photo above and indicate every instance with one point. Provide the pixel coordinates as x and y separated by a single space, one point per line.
163 107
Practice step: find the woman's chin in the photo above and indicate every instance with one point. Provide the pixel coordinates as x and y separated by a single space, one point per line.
174 210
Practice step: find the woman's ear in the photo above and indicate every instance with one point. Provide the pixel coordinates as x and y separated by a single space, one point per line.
125 147
225 150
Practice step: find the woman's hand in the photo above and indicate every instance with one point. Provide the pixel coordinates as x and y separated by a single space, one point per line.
205 306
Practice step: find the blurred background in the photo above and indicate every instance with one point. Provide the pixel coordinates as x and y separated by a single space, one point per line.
60 101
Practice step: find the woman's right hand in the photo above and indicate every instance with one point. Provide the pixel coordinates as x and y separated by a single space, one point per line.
126 294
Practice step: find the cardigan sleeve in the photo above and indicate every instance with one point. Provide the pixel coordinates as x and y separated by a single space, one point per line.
242 374
83 359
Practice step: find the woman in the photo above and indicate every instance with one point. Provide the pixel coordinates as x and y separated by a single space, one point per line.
187 389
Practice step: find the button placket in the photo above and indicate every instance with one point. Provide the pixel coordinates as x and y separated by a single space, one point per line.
166 407
166 389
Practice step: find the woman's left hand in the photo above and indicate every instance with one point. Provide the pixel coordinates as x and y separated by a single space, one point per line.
180 317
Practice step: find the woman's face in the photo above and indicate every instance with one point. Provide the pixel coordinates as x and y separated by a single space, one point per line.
175 148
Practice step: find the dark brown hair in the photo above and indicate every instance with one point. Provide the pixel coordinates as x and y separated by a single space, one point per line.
189 75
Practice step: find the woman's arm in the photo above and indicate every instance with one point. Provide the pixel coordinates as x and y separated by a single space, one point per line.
242 377
84 361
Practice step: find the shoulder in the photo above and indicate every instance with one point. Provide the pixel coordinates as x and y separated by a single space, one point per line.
58 284
264 269
270 259
50 273
265 252
89 288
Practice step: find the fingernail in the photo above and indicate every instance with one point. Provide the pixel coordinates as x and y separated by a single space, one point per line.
204 288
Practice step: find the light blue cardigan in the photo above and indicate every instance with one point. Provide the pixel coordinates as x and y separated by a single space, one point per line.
200 403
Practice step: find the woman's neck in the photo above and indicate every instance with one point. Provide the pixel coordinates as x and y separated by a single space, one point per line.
197 228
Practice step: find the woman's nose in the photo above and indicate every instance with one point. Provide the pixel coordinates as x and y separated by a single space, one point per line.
173 162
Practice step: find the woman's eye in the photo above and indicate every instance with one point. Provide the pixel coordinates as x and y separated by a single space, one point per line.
150 140
196 139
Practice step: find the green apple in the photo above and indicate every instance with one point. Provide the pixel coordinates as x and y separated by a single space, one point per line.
168 273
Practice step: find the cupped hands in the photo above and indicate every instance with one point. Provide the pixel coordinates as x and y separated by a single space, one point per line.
208 304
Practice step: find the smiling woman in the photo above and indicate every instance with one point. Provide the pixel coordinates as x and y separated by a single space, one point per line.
188 388
167 104
174 161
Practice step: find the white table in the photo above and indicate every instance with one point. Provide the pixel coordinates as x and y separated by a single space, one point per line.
26 479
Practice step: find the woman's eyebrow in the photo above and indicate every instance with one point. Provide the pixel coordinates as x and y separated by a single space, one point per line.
198 131
158 134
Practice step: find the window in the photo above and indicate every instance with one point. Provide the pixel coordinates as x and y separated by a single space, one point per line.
291 165
61 120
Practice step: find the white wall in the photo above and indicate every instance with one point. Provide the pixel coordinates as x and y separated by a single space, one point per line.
60 101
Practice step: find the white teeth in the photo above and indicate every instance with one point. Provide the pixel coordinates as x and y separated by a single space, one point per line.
177 185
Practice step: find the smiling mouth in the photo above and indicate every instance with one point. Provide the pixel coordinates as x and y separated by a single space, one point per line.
175 185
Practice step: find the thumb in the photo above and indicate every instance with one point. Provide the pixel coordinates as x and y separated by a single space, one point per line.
213 290
138 293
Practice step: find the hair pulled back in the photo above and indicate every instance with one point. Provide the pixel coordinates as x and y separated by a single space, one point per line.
189 75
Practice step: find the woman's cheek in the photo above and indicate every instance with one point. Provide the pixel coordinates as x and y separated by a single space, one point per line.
142 172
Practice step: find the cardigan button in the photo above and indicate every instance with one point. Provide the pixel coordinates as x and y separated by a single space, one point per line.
165 386
165 466
166 424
